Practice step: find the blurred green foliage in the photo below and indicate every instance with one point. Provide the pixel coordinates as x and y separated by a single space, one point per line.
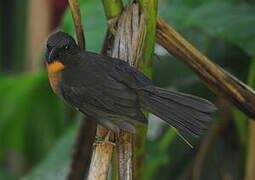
33 119
56 165
13 35
94 22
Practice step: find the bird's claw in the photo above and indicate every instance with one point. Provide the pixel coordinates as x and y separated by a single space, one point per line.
104 140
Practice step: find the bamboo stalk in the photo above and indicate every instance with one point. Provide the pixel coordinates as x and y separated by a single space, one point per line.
125 38
148 10
124 140
102 155
218 80
134 43
125 156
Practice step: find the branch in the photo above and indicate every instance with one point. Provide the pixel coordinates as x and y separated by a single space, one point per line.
218 80
75 9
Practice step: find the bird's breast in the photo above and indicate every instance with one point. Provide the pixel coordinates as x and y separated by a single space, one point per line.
54 75
55 78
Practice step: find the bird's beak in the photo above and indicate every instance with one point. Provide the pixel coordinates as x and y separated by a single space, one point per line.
52 55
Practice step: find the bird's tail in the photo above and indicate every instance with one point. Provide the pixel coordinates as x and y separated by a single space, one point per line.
185 112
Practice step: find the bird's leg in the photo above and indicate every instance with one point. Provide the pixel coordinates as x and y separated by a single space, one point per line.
105 139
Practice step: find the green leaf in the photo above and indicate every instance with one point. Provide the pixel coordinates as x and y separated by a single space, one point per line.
94 23
235 23
56 165
33 116
232 22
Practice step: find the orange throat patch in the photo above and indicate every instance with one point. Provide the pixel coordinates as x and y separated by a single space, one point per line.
54 73
55 66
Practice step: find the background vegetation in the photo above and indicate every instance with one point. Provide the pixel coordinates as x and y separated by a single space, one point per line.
37 130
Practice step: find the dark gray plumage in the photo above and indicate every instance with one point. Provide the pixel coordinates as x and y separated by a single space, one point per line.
113 92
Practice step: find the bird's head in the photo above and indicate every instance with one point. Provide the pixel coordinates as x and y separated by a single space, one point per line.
59 45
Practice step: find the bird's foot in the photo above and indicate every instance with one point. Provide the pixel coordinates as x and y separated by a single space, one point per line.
104 140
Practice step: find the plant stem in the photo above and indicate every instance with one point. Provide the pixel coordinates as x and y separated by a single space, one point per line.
149 10
75 9
136 33
102 155
112 8
219 81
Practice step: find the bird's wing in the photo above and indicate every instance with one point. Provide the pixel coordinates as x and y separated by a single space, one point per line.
90 84
121 71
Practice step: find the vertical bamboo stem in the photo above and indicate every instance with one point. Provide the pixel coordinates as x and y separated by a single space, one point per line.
102 155
134 43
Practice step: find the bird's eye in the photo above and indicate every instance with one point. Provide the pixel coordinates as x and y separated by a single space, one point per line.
67 47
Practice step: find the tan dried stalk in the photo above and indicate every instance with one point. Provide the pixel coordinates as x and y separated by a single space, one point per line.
75 9
102 154
218 80
128 46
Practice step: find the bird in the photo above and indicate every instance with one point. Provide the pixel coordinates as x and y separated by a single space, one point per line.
115 93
